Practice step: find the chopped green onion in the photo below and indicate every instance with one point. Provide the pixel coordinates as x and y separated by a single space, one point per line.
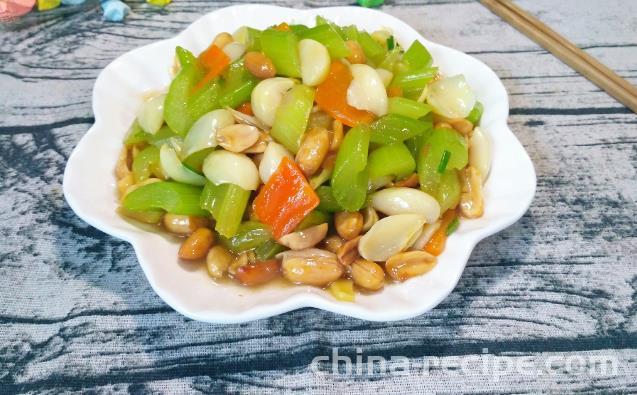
390 43
453 226
444 160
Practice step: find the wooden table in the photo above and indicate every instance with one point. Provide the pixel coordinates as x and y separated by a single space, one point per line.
556 291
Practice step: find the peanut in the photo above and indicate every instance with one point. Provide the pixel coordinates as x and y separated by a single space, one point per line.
348 252
367 274
405 265
256 273
259 65
471 201
313 150
217 261
348 225
183 224
222 39
197 244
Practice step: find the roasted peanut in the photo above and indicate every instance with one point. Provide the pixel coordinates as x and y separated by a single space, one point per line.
183 224
259 65
260 146
461 125
196 246
319 119
356 54
336 135
410 182
313 150
370 217
332 243
471 202
348 225
367 274
123 184
348 252
311 266
222 39
239 261
256 273
238 137
217 261
305 238
122 168
409 264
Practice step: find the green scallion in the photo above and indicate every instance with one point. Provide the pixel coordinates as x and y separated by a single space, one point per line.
453 226
444 161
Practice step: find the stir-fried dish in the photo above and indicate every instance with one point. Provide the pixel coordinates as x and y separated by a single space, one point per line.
324 155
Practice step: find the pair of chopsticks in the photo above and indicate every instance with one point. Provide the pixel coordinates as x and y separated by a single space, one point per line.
566 51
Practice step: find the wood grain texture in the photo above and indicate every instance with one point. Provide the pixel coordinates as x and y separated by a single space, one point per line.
77 314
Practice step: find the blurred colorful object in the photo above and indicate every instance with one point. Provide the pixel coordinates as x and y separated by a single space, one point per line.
11 9
114 10
44 5
370 3
159 3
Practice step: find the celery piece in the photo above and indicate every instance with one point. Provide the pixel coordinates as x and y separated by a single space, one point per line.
327 35
373 50
173 197
408 108
163 135
315 217
448 190
195 160
448 140
393 128
391 160
328 202
298 29
350 32
136 135
268 250
146 163
321 20
250 235
476 113
183 106
414 79
292 116
351 175
145 216
391 60
237 85
282 48
253 39
226 203
417 56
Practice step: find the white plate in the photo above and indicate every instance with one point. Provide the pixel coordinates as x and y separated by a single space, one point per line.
89 179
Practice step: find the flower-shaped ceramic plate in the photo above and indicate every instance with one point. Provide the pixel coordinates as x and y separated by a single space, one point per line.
89 179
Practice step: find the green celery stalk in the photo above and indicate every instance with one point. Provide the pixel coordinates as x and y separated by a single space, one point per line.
250 235
173 197
268 250
391 160
414 79
351 175
292 116
373 50
282 48
182 107
321 20
195 160
136 135
393 128
146 163
328 201
417 56
237 85
298 29
163 135
327 35
448 190
408 108
444 139
315 217
391 60
253 39
226 203
350 32
476 113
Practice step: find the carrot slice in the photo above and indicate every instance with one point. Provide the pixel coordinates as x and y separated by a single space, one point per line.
436 244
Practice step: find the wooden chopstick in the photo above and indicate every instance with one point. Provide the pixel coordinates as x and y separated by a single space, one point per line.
566 51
